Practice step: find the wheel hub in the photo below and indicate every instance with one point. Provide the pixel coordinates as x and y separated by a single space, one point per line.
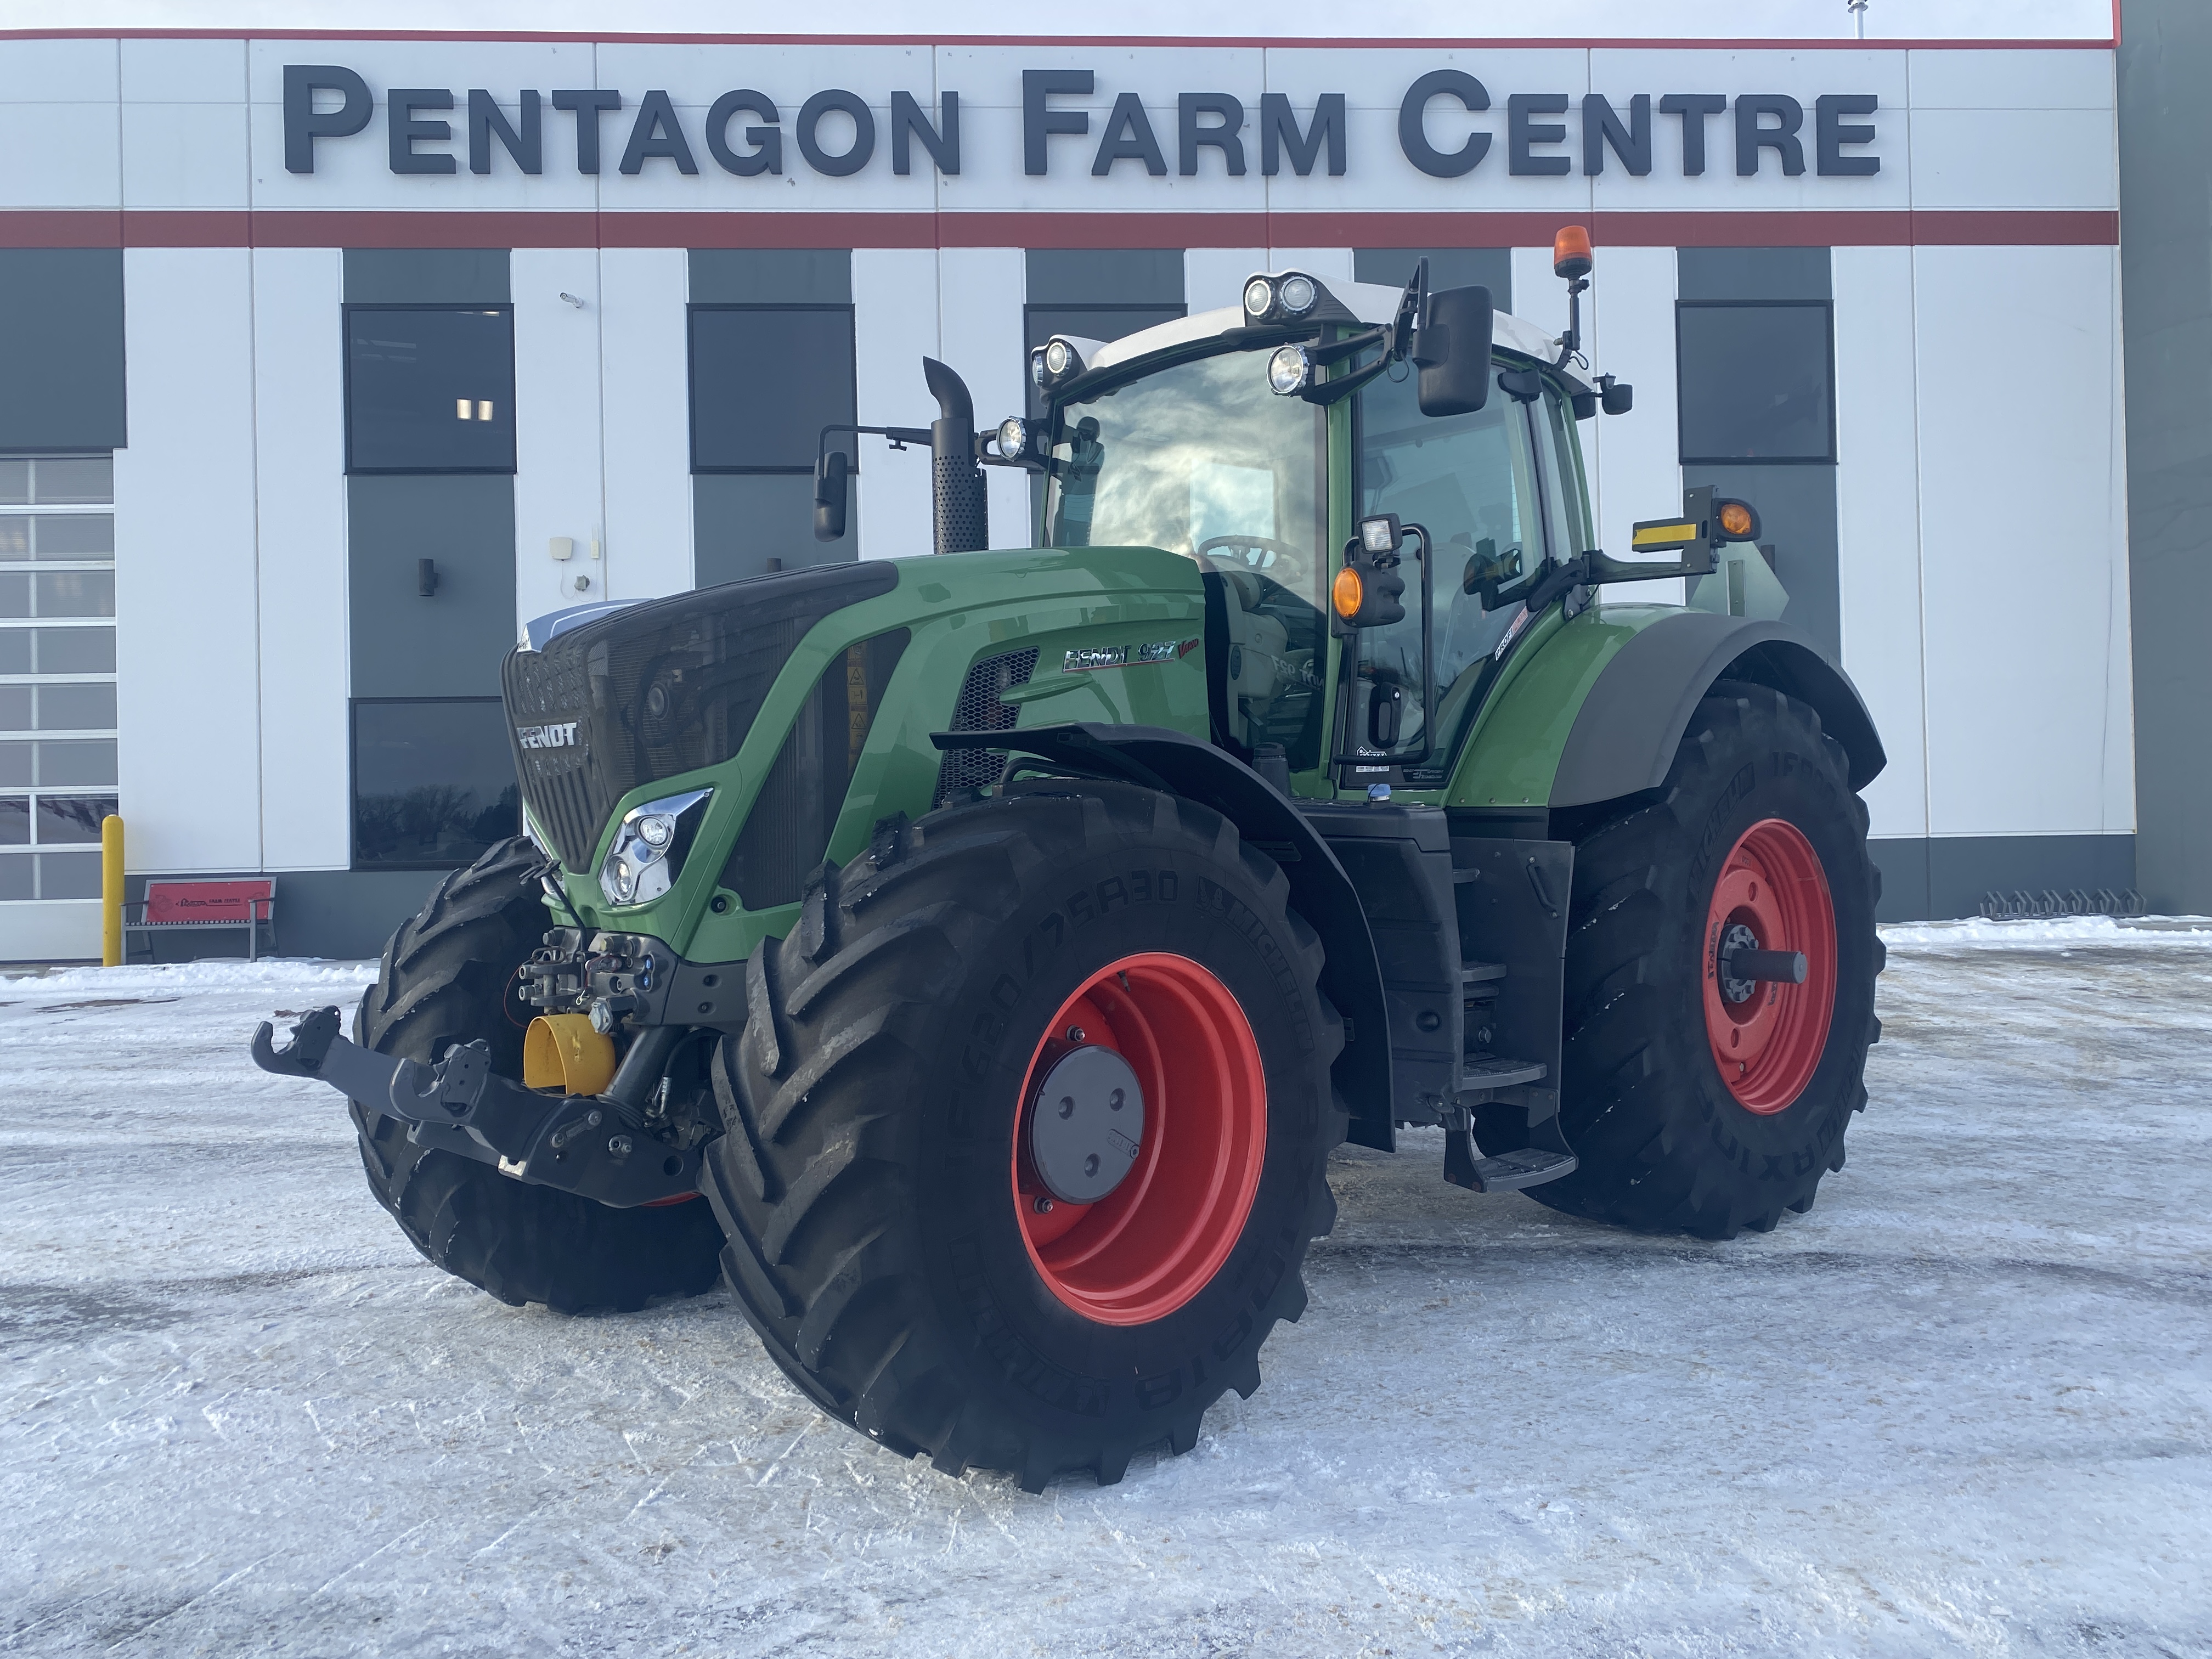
1086 1125
1771 897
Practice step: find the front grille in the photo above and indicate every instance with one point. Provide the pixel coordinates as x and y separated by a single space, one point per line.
978 710
658 690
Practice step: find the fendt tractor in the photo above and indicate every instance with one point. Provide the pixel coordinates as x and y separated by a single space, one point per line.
974 959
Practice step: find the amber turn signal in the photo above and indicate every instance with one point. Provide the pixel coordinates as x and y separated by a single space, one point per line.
1347 592
1738 522
1571 252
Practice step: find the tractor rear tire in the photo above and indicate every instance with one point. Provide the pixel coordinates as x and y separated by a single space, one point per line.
887 1236
449 977
1675 1130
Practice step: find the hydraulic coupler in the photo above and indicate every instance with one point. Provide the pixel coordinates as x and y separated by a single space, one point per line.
589 1145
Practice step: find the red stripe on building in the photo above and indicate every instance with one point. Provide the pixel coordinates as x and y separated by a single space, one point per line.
365 228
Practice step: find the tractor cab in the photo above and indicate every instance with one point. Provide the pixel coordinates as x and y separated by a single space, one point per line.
1423 442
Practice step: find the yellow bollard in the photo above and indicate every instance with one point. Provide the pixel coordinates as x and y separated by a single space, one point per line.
110 892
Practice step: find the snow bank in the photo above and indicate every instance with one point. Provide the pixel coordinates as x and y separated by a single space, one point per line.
2064 930
271 973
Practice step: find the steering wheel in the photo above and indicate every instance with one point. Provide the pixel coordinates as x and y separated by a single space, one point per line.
1267 544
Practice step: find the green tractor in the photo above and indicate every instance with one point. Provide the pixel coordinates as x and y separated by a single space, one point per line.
973 960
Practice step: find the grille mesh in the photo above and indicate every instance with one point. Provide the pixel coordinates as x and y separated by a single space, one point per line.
661 689
979 709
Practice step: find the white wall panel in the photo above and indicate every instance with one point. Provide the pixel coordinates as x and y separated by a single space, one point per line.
1214 276
2020 537
557 483
1635 473
299 426
57 71
1989 79
58 156
155 71
51 930
895 312
188 604
185 155
645 378
980 321
1878 520
2000 158
1333 265
2119 737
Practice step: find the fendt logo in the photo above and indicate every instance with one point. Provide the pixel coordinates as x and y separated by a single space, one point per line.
562 735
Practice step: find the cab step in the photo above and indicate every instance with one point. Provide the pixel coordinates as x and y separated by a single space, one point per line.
1479 1071
1480 973
1528 1166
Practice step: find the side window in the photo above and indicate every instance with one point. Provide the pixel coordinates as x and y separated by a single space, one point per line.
1566 490
430 388
1470 481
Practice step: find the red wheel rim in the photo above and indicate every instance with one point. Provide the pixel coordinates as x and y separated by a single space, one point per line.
1768 1047
1155 1241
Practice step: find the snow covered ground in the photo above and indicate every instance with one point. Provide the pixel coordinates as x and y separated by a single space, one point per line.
1960 1408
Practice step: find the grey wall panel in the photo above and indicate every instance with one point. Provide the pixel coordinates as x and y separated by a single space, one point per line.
1935 877
1797 516
1105 276
342 913
427 276
2165 273
742 520
61 349
1754 273
765 277
450 645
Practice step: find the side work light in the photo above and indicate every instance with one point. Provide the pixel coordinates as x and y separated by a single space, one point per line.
1289 371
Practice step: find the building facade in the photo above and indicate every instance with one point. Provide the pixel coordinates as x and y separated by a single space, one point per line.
326 363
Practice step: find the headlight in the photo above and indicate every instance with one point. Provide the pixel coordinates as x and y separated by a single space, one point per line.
1259 297
1296 295
1288 370
649 848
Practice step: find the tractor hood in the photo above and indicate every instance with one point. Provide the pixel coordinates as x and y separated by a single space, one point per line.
649 690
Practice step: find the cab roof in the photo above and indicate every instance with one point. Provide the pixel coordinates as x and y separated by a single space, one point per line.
1371 302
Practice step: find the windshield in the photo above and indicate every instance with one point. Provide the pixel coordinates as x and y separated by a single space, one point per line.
1202 459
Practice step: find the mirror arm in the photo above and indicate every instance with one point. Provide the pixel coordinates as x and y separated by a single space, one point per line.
1325 393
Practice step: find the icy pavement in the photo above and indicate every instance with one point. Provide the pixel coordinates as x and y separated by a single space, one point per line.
1960 1408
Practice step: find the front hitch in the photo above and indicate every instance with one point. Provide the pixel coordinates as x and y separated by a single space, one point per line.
589 1145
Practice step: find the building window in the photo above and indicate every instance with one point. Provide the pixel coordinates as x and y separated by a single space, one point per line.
434 782
765 380
56 673
1097 294
1449 267
1756 382
430 388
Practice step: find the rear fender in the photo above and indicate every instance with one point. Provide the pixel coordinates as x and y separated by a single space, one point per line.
1321 890
1625 733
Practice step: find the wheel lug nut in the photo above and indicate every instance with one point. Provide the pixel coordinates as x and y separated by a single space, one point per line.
1042 1207
1075 1034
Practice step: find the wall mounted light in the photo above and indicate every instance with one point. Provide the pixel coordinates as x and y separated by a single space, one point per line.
573 300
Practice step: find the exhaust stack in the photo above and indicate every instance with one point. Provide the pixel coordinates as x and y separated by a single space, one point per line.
962 511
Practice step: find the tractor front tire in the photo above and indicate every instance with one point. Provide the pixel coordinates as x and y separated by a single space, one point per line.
448 977
889 1233
1696 1103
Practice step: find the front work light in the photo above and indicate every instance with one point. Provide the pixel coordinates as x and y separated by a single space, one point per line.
1013 438
1259 298
1381 534
649 848
1295 294
1289 370
1057 355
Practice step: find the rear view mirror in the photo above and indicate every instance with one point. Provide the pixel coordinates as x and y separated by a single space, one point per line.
1452 350
830 487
